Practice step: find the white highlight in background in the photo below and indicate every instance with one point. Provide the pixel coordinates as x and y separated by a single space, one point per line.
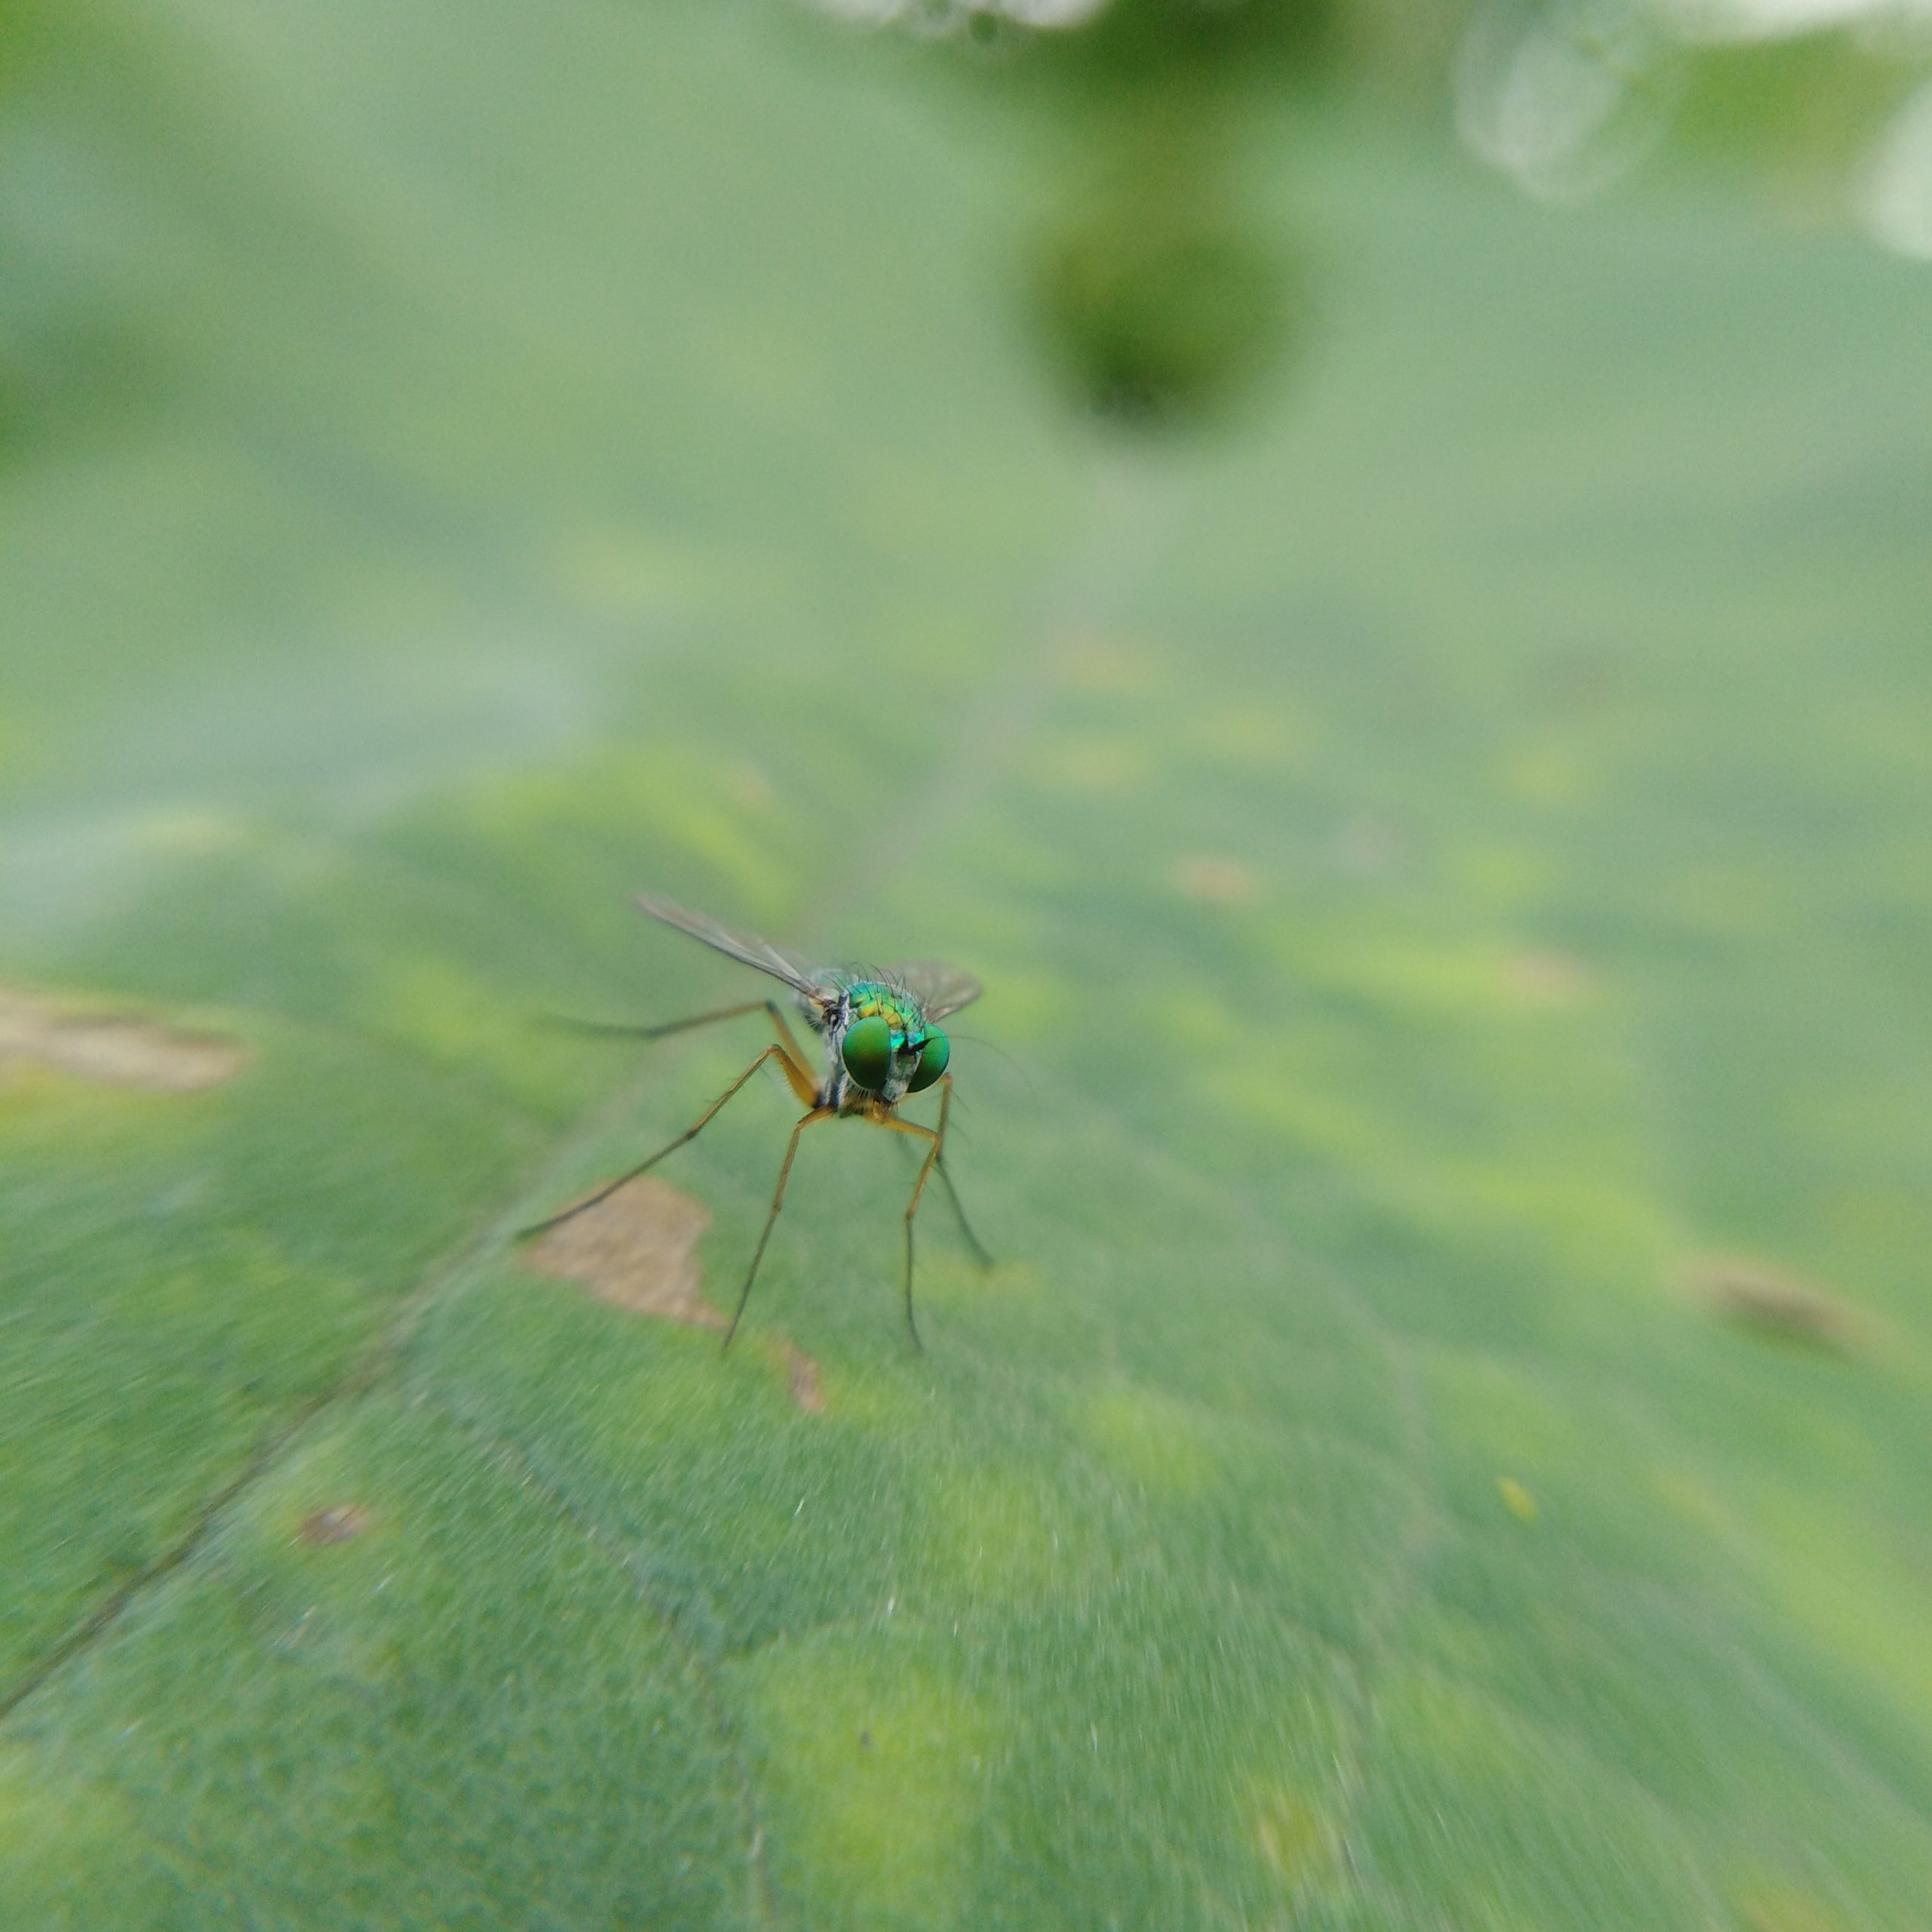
1895 199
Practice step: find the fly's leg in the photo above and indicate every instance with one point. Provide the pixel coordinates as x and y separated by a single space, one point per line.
778 1202
981 1253
620 1030
936 1136
911 1208
801 1085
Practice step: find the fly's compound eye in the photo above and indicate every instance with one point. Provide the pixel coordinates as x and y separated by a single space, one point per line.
932 1062
866 1051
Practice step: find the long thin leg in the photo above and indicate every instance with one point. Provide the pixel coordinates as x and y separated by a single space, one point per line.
778 1202
981 1253
795 1074
622 1030
937 1137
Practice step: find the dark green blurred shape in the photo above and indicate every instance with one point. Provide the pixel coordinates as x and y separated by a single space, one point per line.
1178 41
1160 314
1162 298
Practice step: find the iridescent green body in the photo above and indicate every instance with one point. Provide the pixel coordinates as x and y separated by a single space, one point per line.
868 997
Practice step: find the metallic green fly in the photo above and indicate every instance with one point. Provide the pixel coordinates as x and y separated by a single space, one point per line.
880 1034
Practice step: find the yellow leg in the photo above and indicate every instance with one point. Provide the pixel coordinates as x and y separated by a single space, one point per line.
804 1088
981 1252
778 1202
801 1083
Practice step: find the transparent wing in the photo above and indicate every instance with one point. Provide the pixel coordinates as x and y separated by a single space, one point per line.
939 989
799 974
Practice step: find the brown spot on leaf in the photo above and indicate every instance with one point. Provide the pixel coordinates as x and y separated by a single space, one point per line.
116 1049
637 1250
1768 1302
1214 881
337 1524
1546 978
802 1381
800 1371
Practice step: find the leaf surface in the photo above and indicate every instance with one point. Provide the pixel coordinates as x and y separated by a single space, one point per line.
1447 864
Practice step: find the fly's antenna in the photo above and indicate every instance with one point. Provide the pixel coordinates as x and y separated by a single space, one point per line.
979 1040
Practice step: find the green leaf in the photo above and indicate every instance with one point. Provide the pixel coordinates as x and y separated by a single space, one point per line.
1443 1443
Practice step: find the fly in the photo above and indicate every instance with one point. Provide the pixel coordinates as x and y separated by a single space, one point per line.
881 1041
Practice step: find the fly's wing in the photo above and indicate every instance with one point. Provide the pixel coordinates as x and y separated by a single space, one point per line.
813 981
939 989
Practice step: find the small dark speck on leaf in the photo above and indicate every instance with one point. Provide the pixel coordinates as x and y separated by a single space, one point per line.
335 1524
1768 1301
865 1740
802 1381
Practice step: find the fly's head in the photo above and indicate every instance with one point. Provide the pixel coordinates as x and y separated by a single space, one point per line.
888 1048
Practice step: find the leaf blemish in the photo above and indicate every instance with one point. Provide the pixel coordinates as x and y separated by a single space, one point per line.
337 1523
1768 1302
638 1250
1516 1498
1211 880
1288 1834
1541 978
802 1381
113 1049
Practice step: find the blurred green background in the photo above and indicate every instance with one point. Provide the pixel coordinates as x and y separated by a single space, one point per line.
1365 567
